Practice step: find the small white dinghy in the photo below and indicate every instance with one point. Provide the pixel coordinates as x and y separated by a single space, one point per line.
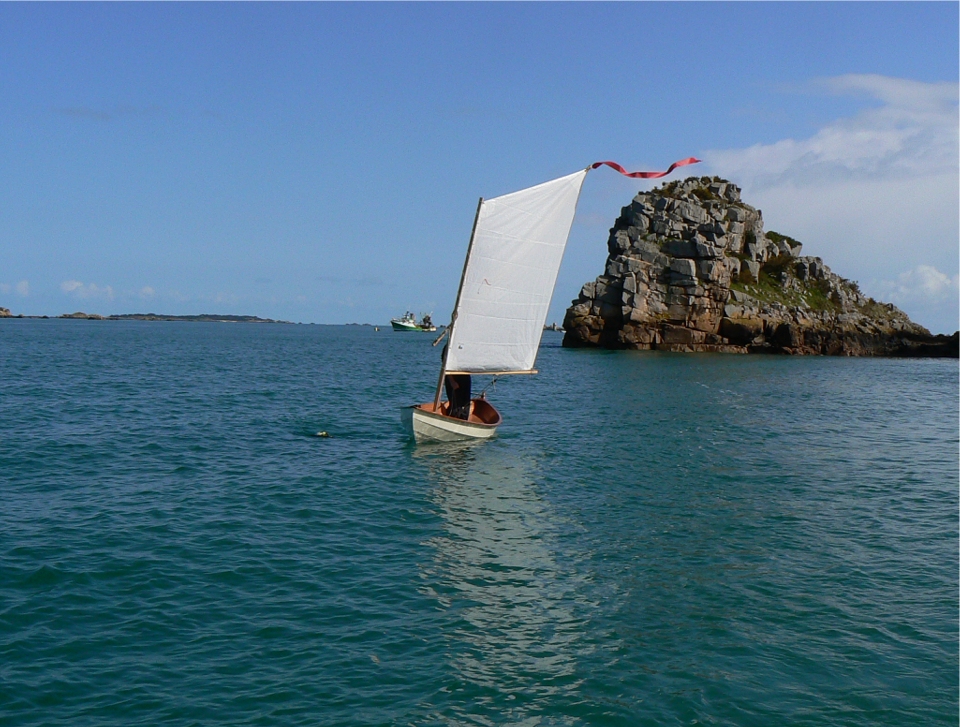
508 278
430 424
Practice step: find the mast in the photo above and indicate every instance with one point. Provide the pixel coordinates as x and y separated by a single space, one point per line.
456 306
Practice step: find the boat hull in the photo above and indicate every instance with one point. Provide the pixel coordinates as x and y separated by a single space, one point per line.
429 425
405 327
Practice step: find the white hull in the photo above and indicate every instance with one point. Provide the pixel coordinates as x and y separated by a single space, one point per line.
429 426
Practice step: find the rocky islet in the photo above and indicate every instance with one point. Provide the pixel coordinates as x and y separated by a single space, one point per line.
690 268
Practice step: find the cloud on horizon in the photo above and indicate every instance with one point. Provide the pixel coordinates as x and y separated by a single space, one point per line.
76 289
875 194
22 288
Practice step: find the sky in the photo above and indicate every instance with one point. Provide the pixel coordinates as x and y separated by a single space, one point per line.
322 162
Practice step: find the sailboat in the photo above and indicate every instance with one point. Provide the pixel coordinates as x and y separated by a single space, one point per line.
508 277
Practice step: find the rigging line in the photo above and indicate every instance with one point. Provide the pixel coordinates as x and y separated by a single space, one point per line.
491 385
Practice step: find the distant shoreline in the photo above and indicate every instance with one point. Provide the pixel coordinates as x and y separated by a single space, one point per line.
202 318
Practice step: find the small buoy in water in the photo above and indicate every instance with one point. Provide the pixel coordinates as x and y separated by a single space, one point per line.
323 434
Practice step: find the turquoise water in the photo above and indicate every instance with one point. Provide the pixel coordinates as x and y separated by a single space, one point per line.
651 539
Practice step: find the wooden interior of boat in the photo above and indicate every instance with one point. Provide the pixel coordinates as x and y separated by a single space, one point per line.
481 412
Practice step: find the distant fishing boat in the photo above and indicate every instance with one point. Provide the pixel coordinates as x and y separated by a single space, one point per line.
408 322
513 258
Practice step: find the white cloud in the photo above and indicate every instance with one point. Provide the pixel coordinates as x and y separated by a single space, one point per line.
23 288
912 96
912 134
147 292
924 282
78 290
930 296
874 194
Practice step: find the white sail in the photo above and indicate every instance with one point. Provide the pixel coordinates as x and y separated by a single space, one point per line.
510 273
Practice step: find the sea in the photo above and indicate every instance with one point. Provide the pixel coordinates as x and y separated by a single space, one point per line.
650 539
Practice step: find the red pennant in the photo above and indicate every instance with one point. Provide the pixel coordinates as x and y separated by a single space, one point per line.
647 175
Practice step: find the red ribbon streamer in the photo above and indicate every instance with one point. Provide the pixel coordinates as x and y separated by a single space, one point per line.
647 175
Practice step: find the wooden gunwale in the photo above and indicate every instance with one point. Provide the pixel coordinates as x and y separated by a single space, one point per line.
478 407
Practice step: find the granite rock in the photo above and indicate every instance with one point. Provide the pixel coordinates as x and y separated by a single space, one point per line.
691 268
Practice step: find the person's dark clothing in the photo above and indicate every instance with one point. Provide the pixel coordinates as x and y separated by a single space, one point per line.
458 394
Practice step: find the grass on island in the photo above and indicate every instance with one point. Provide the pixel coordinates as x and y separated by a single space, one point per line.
769 290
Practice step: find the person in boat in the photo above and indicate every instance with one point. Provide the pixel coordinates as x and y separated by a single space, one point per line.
458 392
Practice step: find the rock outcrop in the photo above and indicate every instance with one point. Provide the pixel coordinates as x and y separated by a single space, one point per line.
690 268
85 316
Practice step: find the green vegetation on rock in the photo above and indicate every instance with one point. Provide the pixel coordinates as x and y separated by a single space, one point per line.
776 237
806 295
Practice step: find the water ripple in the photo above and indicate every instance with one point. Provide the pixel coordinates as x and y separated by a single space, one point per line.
650 539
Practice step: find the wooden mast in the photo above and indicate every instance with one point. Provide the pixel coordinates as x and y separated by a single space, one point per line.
456 307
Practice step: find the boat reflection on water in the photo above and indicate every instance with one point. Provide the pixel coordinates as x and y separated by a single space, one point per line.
511 634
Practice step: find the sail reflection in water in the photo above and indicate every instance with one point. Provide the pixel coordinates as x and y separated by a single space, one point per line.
512 637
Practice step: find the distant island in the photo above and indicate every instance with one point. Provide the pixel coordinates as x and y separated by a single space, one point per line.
203 317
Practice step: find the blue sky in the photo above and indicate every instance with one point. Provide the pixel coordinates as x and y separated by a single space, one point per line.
322 162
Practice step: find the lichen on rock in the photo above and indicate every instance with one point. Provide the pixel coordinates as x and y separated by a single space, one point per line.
690 268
